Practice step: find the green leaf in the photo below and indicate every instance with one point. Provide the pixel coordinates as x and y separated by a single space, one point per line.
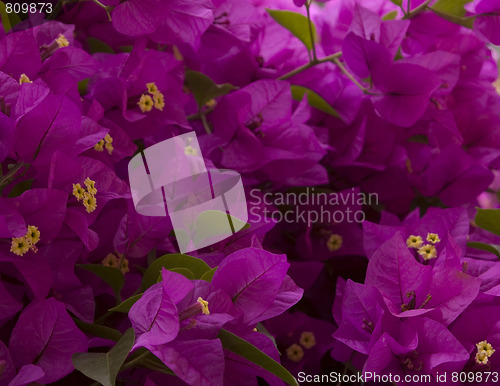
97 45
204 89
126 305
488 219
297 24
207 276
399 3
104 367
82 86
9 20
390 15
315 100
213 223
112 276
454 11
175 260
248 351
183 271
99 330
451 7
493 248
21 187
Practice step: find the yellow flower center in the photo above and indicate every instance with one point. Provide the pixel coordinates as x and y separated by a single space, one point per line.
24 79
484 351
89 202
190 150
307 339
159 101
334 242
295 353
204 305
145 103
110 261
62 41
120 262
21 245
78 191
99 146
32 235
414 242
427 251
152 89
105 143
90 186
433 238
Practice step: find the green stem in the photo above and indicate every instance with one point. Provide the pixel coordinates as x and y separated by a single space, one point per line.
418 10
204 121
4 181
311 34
107 8
134 361
349 75
298 70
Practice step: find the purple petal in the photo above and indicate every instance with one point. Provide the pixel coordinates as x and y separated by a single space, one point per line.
45 335
196 362
27 375
154 318
252 278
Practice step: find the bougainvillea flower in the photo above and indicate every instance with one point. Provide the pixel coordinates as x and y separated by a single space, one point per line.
257 120
411 288
46 336
448 223
256 281
409 347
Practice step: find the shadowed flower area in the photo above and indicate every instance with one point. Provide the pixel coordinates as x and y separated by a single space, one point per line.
339 161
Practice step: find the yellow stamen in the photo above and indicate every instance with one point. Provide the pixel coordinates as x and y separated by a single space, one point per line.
190 150
211 103
307 339
123 265
90 202
99 146
484 346
414 242
24 79
427 251
19 246
108 138
78 192
145 103
334 242
109 147
481 358
433 238
110 261
159 101
90 186
152 89
295 353
32 235
62 41
204 305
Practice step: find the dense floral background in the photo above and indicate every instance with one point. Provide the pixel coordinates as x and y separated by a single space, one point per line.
392 100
